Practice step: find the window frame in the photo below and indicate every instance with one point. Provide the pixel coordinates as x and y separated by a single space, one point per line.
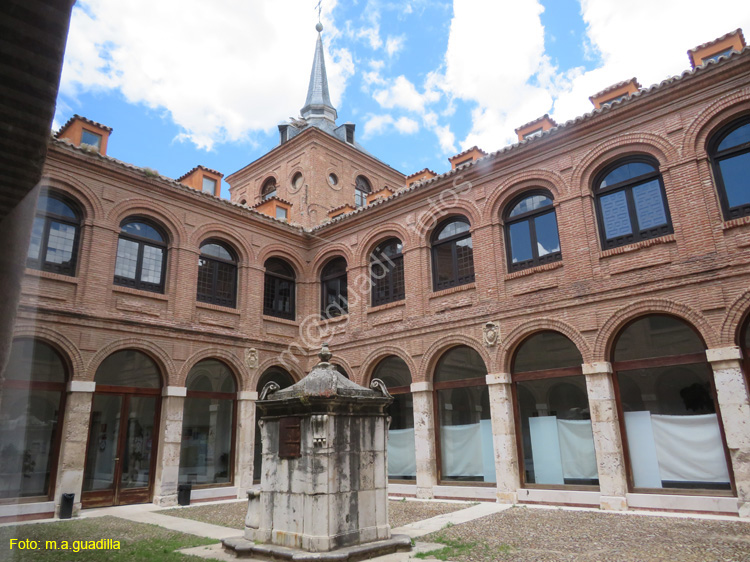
360 195
389 279
728 213
137 283
275 278
265 192
215 263
40 262
637 234
531 217
455 280
325 280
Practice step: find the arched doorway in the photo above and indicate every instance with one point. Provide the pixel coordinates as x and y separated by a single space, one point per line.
466 451
33 398
402 460
665 394
123 431
208 426
552 409
283 379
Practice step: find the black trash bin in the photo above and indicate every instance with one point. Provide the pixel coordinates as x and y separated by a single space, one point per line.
66 506
183 494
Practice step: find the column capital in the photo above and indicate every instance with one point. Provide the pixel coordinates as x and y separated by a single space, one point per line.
421 387
81 386
498 378
732 353
180 391
247 395
597 368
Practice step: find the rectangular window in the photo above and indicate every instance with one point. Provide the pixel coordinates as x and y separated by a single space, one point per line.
209 185
281 213
92 139
615 215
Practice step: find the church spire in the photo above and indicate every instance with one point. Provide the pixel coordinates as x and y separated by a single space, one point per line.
318 103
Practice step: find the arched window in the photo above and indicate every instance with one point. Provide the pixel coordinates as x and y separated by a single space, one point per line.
666 398
55 234
217 274
208 425
630 202
387 272
278 291
730 156
361 190
123 432
745 345
402 460
284 380
452 254
466 448
531 232
334 300
141 256
341 370
557 441
269 189
33 399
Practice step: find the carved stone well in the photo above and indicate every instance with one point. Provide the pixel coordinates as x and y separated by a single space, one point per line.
324 486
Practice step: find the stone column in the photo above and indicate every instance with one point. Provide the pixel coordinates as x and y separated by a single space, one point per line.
170 441
504 437
732 395
75 434
424 438
610 457
245 443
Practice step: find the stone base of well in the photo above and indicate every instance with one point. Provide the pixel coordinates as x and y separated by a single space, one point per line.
243 548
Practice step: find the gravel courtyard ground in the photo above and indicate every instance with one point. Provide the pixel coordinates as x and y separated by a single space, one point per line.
233 514
524 534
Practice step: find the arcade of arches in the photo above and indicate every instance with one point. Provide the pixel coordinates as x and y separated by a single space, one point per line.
650 420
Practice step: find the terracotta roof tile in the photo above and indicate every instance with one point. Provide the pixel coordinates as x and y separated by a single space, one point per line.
272 198
538 120
614 87
467 151
200 167
85 120
421 172
738 31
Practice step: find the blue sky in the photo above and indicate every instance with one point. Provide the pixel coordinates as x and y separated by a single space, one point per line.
187 82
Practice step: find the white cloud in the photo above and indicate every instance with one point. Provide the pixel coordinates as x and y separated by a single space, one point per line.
406 126
394 44
221 69
401 94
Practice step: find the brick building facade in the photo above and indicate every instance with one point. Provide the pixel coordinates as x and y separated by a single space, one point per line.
562 321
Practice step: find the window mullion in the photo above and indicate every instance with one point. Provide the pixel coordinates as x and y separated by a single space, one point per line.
632 215
532 239
139 265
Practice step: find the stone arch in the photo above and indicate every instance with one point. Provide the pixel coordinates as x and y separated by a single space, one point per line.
519 334
237 367
373 359
329 252
295 371
436 350
631 311
712 118
380 234
515 185
70 354
434 217
167 370
612 149
77 190
221 232
353 373
145 208
283 252
735 317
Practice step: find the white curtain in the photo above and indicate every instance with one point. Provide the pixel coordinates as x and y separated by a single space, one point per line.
468 450
562 449
675 448
402 459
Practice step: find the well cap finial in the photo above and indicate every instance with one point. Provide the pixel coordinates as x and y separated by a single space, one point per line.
325 353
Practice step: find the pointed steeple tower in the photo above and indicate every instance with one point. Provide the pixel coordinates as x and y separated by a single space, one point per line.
318 103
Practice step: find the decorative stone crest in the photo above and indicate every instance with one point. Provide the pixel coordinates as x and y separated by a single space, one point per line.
251 358
491 334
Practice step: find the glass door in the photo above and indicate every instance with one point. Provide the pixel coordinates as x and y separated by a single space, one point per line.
121 447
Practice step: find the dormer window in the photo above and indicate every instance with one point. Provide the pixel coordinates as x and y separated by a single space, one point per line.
209 185
91 139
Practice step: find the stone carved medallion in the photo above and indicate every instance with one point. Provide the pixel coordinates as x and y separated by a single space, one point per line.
491 334
251 358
